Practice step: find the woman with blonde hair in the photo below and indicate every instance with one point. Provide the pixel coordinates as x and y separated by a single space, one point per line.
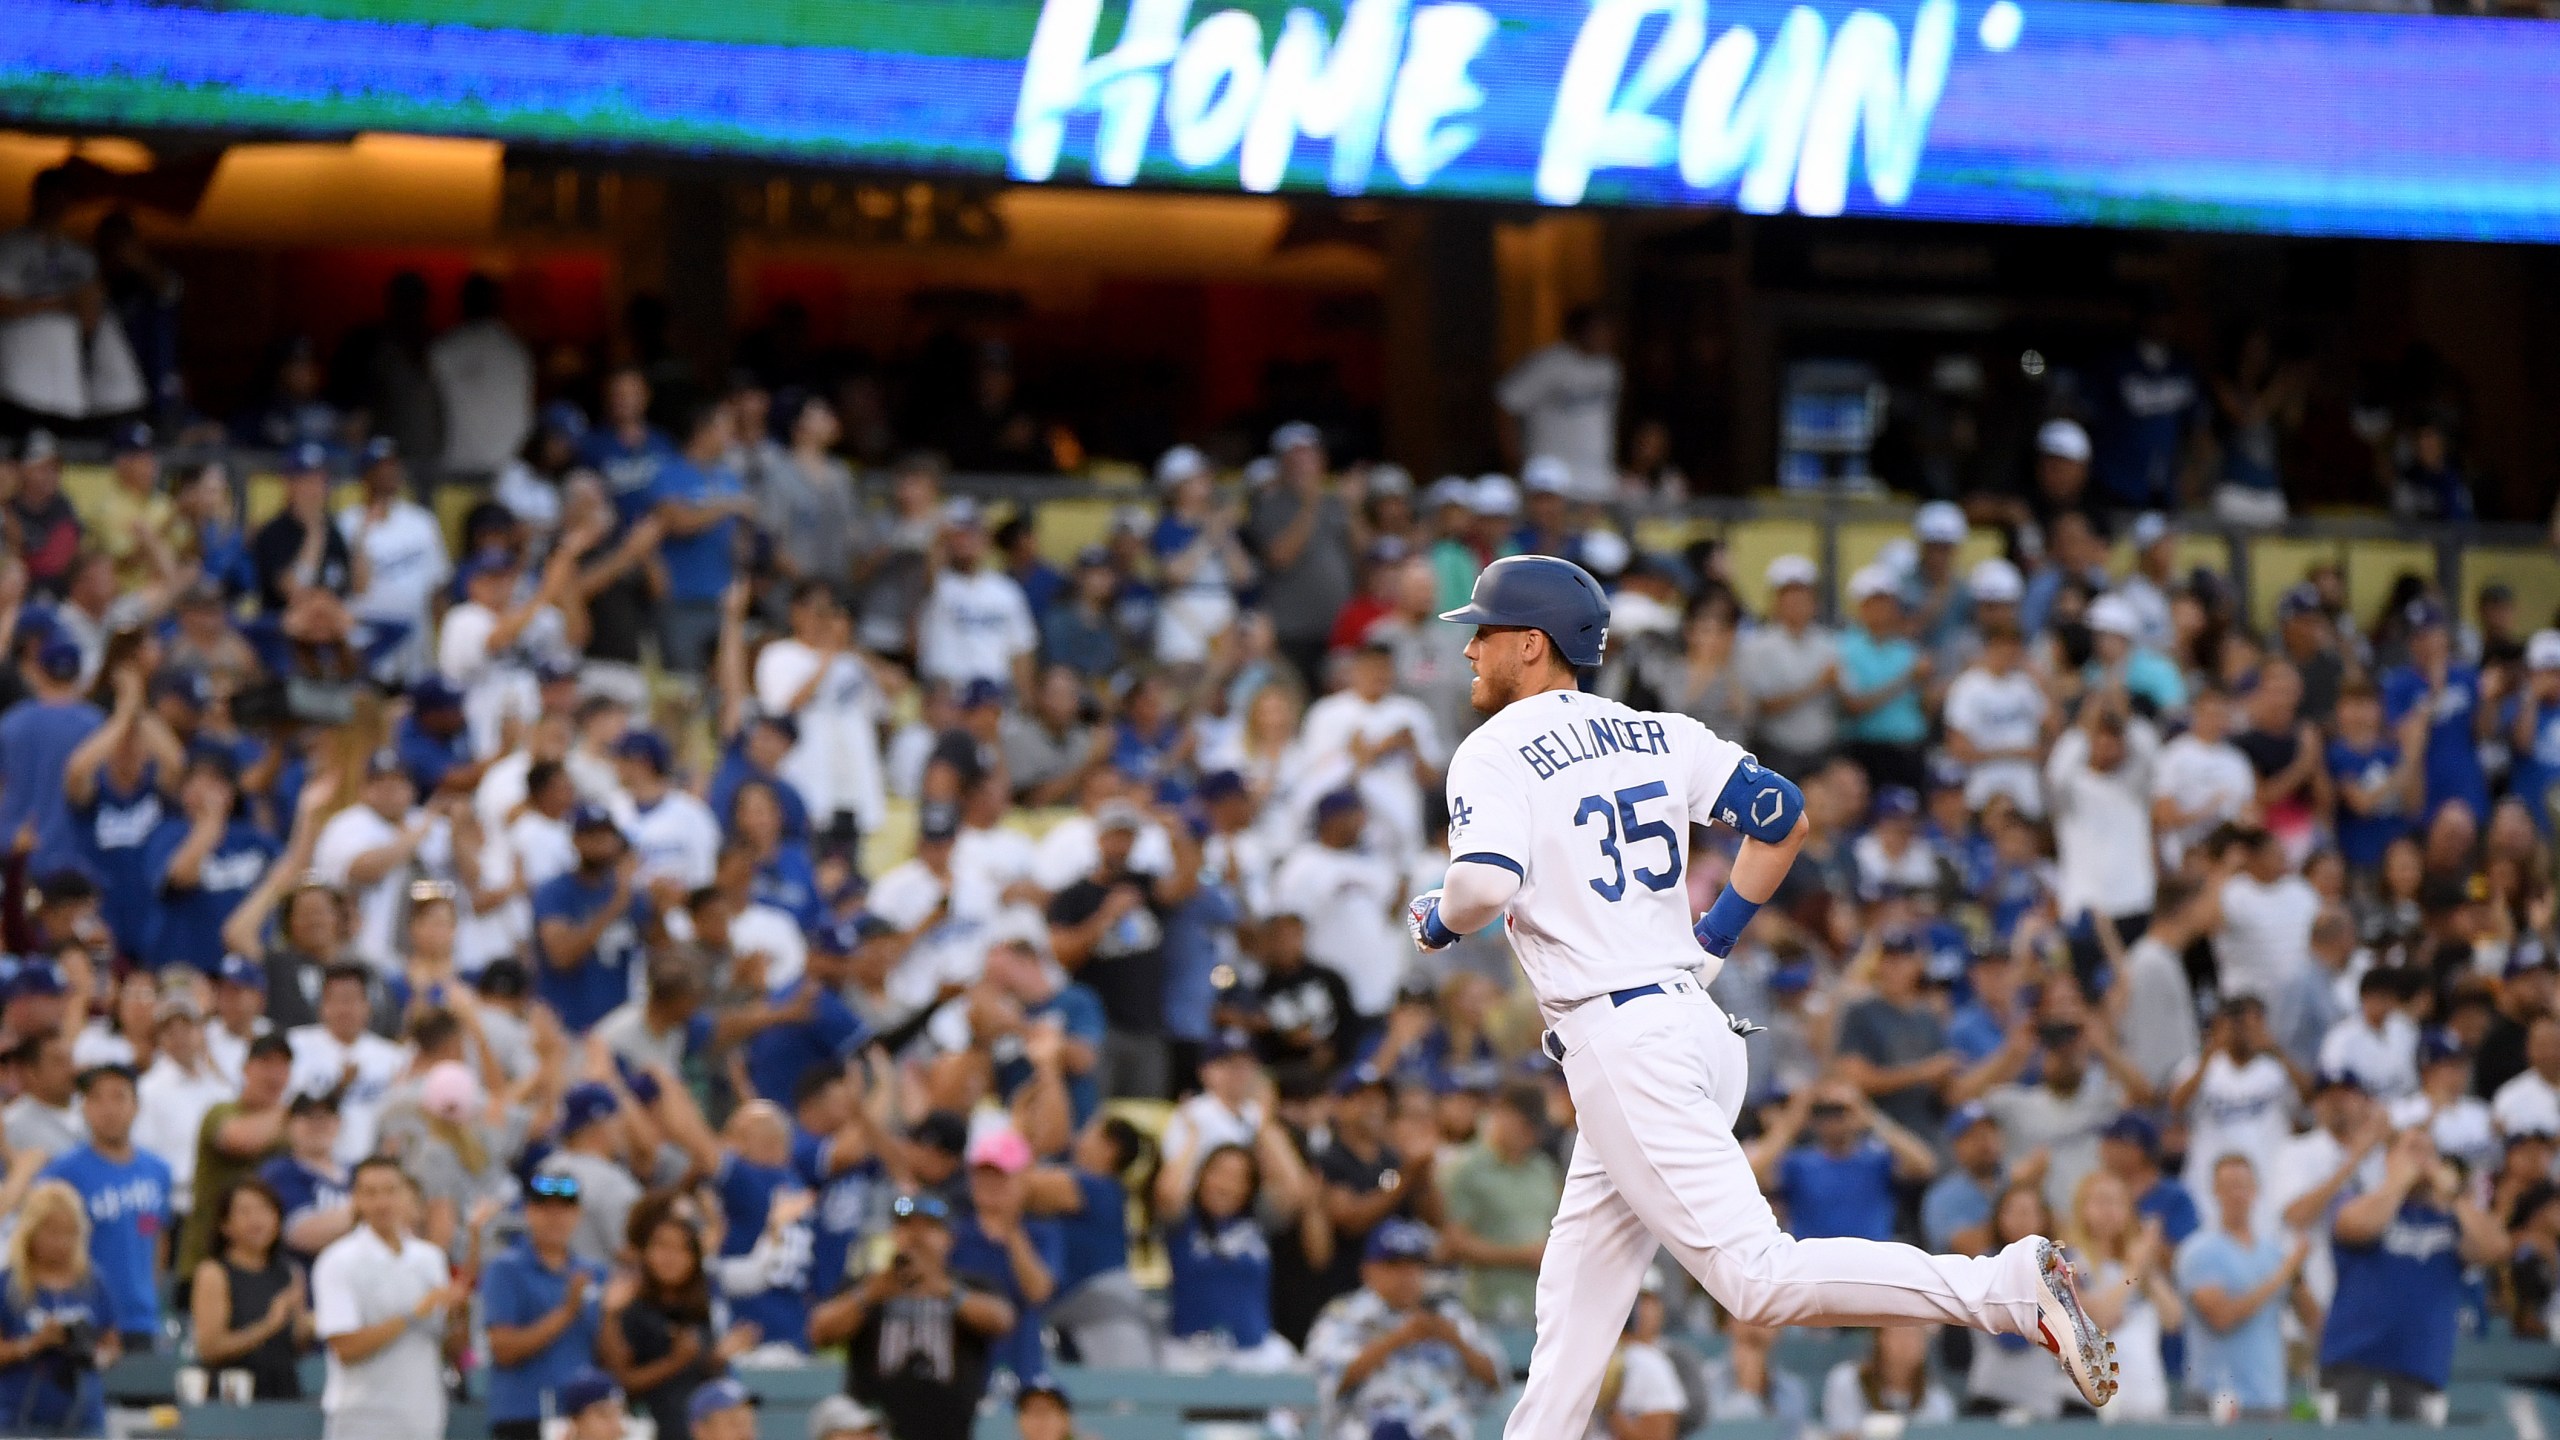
55 1330
2124 1266
2009 1374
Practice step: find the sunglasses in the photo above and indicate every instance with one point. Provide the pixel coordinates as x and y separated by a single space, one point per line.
552 1187
907 1207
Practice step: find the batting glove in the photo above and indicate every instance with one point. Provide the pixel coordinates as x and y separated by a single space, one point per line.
1422 922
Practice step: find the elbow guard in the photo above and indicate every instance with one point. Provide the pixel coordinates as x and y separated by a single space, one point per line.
1761 803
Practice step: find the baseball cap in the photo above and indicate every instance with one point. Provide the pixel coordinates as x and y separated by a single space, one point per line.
1871 581
1294 434
385 761
38 446
843 1415
1400 1240
1965 1118
271 1046
503 978
1337 802
2064 439
1387 479
2542 652
308 458
36 977
1605 552
645 747
588 815
943 1130
180 683
486 563
1003 1150
2149 529
1940 522
2424 614
1225 1043
2300 599
2329 1080
311 1102
586 1104
1896 801
1789 570
2113 615
1792 978
2438 1046
2134 1129
449 1091
1546 475
434 693
1900 940
564 419
1996 582
129 437
715 1396
1450 490
1218 785
1493 495
982 691
2527 956
59 657
1180 463
586 1388
379 449
961 513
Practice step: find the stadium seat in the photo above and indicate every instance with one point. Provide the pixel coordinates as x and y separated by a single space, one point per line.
2374 565
1751 544
1065 526
1671 534
2534 576
86 486
2277 563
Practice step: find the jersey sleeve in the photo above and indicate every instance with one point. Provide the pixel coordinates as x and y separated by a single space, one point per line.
1707 762
1488 810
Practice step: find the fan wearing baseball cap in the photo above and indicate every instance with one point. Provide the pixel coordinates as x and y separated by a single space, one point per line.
2436 680
37 736
1387 1354
915 1305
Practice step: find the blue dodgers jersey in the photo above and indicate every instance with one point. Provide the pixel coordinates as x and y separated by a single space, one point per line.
188 927
781 1310
2397 1297
128 1207
851 1200
118 825
584 991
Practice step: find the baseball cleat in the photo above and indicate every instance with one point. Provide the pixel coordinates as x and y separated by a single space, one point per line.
2088 1356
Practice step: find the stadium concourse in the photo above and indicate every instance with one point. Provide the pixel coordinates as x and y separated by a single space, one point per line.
559 917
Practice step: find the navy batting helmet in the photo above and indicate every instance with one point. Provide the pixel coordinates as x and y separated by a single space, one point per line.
1541 592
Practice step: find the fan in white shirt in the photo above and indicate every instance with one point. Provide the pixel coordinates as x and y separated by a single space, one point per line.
2262 913
174 1094
1351 901
399 549
370 851
340 1057
1995 715
2238 1097
2456 1119
975 624
1385 743
991 862
1073 846
2098 785
2339 1157
829 692
496 645
671 830
2202 780
2529 1104
2378 1045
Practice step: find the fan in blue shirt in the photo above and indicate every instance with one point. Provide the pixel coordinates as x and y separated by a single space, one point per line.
113 783
834 1153
2401 1250
1841 1183
543 1306
309 1183
756 754
2456 710
1220 1259
36 740
202 862
44 1394
126 1194
806 1025
433 743
1016 970
587 925
1016 1255
699 502
624 448
768 1252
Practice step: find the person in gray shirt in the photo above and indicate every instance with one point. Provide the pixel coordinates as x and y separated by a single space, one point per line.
42 1120
1305 536
1792 671
589 1151
1048 749
804 501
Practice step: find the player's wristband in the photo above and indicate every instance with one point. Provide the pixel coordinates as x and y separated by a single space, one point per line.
1434 933
1720 929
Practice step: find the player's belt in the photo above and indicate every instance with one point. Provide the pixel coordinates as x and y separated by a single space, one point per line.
1554 1045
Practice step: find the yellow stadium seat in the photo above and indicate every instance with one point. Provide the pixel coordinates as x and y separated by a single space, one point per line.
2278 563
1147 1116
1861 541
2533 574
452 504
1751 544
1670 534
1066 526
261 497
2372 566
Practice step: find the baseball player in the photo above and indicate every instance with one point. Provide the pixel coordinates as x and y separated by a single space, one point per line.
1569 821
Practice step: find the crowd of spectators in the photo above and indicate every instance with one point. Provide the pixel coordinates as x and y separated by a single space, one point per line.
709 911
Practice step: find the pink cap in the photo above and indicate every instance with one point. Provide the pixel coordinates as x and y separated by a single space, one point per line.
450 1091
1006 1150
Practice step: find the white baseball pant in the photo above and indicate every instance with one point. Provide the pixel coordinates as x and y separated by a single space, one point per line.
1655 1085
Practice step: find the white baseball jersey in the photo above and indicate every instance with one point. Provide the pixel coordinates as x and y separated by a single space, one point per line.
1590 803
